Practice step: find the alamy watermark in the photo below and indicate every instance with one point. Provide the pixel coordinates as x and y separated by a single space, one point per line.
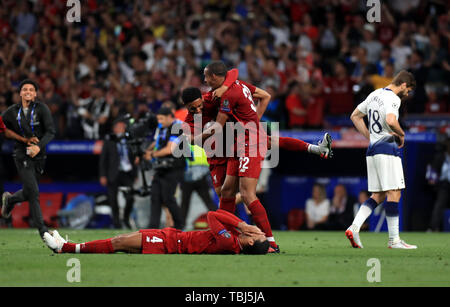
74 273
74 13
233 140
374 274
374 13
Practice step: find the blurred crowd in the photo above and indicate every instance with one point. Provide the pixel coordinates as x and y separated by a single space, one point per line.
317 58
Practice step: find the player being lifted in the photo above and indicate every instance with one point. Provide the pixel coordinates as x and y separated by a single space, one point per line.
384 165
237 106
227 234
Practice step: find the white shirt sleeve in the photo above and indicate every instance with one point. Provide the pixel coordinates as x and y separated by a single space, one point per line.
362 107
392 106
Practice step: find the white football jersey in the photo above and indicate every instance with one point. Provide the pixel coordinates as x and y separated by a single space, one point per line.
376 106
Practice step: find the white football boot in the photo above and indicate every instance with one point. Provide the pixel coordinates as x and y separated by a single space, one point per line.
325 146
401 245
54 241
353 237
50 242
59 240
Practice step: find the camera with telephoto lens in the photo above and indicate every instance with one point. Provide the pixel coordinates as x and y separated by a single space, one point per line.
136 138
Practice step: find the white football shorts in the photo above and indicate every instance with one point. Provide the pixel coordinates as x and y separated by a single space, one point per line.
384 173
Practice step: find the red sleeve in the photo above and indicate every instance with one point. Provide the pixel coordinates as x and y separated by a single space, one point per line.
219 221
231 77
225 217
2 125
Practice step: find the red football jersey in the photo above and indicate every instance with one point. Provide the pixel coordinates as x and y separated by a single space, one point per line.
238 104
209 114
2 125
221 238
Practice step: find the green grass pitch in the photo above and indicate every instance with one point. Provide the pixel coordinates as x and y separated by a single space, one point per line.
307 259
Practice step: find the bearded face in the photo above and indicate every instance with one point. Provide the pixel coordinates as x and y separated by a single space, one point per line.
404 92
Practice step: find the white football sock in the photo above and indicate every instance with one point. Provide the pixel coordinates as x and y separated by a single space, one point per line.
314 149
392 223
363 213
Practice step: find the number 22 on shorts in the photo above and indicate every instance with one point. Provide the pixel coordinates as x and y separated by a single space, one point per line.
243 163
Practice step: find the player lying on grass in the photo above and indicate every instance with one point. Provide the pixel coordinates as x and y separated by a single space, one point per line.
227 235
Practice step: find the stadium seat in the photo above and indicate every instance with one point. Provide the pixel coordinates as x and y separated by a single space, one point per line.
51 203
296 219
20 215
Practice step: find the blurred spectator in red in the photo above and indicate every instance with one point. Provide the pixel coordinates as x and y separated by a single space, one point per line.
295 107
315 103
338 91
435 103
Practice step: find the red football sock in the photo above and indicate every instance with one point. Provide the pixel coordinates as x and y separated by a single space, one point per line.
93 247
259 216
292 144
228 204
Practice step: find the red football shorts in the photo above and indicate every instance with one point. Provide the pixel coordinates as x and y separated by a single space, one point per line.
159 241
218 174
244 167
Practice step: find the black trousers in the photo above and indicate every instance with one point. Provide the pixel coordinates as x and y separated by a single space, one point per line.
202 188
442 202
124 179
164 185
30 172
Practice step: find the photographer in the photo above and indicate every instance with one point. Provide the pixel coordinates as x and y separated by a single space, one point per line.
168 169
440 178
117 168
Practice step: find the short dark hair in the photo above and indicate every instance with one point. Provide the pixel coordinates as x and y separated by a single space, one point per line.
165 111
28 81
404 76
190 94
217 68
258 248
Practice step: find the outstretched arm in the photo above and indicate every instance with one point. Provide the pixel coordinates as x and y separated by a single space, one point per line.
217 220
